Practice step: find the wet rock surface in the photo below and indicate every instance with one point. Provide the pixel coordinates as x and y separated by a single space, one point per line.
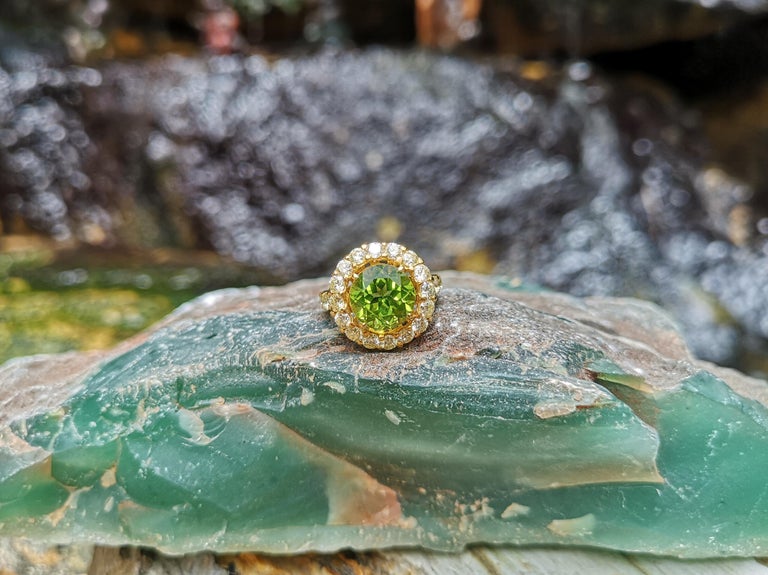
44 146
555 176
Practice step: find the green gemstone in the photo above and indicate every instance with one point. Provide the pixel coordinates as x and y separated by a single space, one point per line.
382 298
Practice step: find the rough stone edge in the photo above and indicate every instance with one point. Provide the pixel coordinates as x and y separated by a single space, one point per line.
19 556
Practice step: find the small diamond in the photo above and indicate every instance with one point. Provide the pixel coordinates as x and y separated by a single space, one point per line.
336 303
344 268
427 290
343 319
389 342
374 249
337 284
357 256
372 341
404 337
354 333
418 326
410 259
421 273
427 308
393 250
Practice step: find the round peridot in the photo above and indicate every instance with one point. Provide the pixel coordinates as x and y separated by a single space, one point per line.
382 298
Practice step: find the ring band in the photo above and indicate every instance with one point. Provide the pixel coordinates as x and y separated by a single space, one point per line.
382 295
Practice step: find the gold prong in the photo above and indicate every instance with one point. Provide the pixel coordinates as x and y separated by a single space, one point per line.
437 282
324 299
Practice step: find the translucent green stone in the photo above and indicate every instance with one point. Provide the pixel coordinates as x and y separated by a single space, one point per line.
531 418
382 298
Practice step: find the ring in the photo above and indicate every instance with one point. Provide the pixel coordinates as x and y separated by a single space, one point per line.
381 295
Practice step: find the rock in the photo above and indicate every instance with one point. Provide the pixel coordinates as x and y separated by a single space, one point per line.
20 554
25 556
244 421
44 148
554 176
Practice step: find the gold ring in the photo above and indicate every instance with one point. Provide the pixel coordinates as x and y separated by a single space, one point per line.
381 295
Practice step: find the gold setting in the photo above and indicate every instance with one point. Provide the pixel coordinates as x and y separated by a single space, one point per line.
336 298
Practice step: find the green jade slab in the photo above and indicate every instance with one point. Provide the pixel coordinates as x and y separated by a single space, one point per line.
244 421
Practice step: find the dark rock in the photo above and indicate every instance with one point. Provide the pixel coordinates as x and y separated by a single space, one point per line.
564 180
43 146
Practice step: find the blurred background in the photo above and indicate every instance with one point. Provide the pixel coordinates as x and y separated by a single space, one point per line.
152 150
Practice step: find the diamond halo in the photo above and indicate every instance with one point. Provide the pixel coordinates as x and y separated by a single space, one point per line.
381 295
